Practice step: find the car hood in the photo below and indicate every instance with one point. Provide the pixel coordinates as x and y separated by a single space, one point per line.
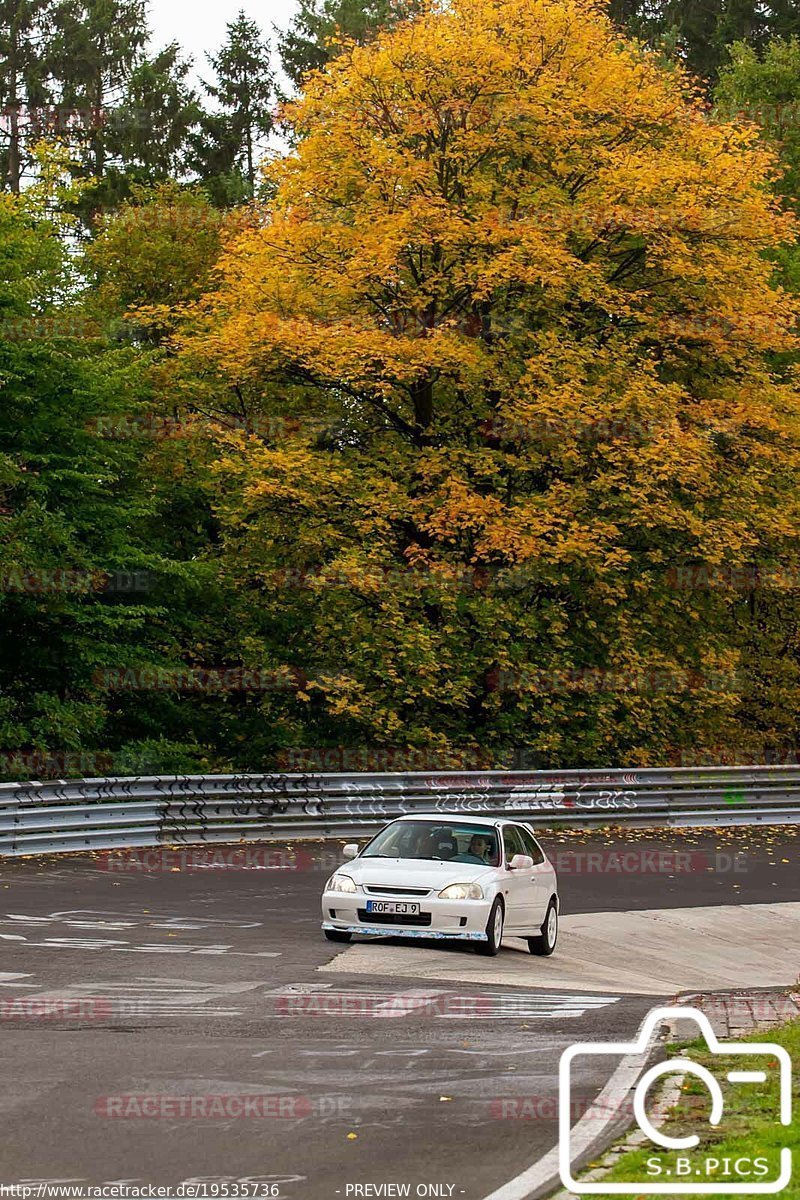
412 872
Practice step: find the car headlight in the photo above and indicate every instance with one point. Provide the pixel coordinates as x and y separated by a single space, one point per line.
341 883
462 891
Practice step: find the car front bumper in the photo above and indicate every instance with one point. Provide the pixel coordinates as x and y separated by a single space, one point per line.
400 931
465 920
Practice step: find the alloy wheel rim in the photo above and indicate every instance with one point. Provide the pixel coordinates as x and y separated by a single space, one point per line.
552 926
498 926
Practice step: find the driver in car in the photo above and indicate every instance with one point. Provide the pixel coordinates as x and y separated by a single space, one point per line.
478 850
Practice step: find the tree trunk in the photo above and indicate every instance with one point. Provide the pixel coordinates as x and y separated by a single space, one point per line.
14 149
14 166
422 399
99 119
99 115
251 174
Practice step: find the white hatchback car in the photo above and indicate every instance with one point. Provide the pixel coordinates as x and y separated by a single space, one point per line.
446 876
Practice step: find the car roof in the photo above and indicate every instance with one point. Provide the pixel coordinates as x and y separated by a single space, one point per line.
462 818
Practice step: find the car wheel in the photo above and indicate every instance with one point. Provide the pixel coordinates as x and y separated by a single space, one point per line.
337 935
494 930
545 942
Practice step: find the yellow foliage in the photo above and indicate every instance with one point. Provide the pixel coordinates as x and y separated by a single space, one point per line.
527 275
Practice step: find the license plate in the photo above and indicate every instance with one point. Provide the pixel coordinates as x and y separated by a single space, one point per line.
401 908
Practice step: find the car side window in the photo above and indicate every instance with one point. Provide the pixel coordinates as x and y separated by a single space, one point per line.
511 843
532 847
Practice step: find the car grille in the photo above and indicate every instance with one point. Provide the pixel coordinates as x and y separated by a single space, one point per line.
396 891
422 920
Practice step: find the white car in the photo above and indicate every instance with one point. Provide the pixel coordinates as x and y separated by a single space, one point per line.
446 876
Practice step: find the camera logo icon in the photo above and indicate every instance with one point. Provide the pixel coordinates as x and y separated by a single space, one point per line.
677 1165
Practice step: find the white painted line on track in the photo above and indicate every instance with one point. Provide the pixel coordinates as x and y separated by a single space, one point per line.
149 996
12 979
439 1003
118 945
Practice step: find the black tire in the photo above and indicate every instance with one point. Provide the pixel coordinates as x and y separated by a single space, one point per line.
494 930
337 935
545 942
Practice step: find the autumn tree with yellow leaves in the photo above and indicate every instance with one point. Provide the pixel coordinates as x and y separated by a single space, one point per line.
524 471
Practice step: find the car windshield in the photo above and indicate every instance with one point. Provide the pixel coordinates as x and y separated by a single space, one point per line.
444 841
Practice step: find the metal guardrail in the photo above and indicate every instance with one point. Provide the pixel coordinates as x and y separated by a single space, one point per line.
101 814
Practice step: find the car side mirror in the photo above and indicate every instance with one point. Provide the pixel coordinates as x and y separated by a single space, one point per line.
520 862
350 850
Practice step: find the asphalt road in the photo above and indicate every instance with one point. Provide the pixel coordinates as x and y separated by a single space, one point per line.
168 1025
